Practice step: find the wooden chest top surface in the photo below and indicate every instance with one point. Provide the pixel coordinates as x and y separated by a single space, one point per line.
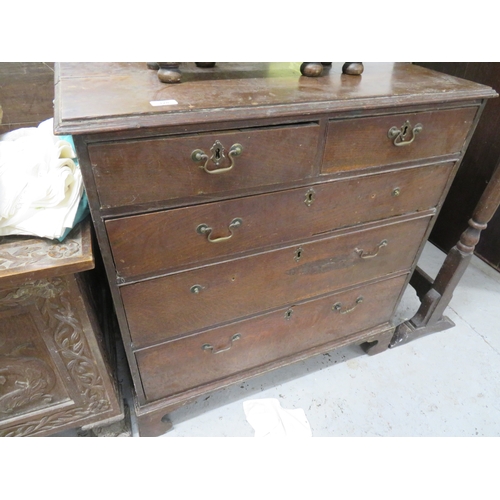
100 97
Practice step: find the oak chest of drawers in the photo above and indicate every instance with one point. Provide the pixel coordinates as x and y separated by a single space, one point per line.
251 217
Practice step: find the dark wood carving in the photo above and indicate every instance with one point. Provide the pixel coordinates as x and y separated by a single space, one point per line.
24 379
52 372
32 378
15 255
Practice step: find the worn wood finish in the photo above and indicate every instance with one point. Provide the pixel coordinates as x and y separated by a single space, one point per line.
26 94
227 290
353 144
239 91
217 353
54 368
310 226
168 165
169 239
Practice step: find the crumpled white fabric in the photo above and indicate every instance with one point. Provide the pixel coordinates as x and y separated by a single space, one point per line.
40 183
269 419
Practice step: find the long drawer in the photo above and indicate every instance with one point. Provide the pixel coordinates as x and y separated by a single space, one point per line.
367 142
152 170
217 353
153 243
177 304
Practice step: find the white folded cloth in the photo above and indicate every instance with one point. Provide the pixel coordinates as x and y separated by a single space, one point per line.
269 419
40 182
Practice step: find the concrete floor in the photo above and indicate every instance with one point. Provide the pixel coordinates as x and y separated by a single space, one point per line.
445 384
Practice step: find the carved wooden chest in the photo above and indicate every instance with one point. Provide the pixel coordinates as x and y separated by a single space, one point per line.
251 217
55 370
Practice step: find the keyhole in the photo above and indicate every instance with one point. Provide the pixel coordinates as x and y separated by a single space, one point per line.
217 152
288 314
309 198
298 254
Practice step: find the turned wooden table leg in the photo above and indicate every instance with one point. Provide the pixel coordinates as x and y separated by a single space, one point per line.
429 317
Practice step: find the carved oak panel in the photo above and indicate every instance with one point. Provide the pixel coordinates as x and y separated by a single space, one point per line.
52 372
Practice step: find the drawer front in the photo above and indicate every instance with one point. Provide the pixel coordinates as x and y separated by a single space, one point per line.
153 170
214 354
180 303
151 243
365 142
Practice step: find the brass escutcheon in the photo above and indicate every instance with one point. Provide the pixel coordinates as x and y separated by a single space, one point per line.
217 157
310 196
400 135
298 254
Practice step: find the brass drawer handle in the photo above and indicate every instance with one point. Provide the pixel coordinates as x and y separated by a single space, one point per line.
338 306
218 155
207 230
400 134
210 347
370 255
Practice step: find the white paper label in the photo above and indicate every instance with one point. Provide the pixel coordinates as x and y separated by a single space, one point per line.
167 102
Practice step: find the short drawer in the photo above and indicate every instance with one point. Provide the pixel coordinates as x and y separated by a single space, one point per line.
158 242
173 305
217 353
154 170
366 142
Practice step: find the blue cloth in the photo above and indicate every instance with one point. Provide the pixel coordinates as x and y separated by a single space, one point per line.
83 208
81 213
